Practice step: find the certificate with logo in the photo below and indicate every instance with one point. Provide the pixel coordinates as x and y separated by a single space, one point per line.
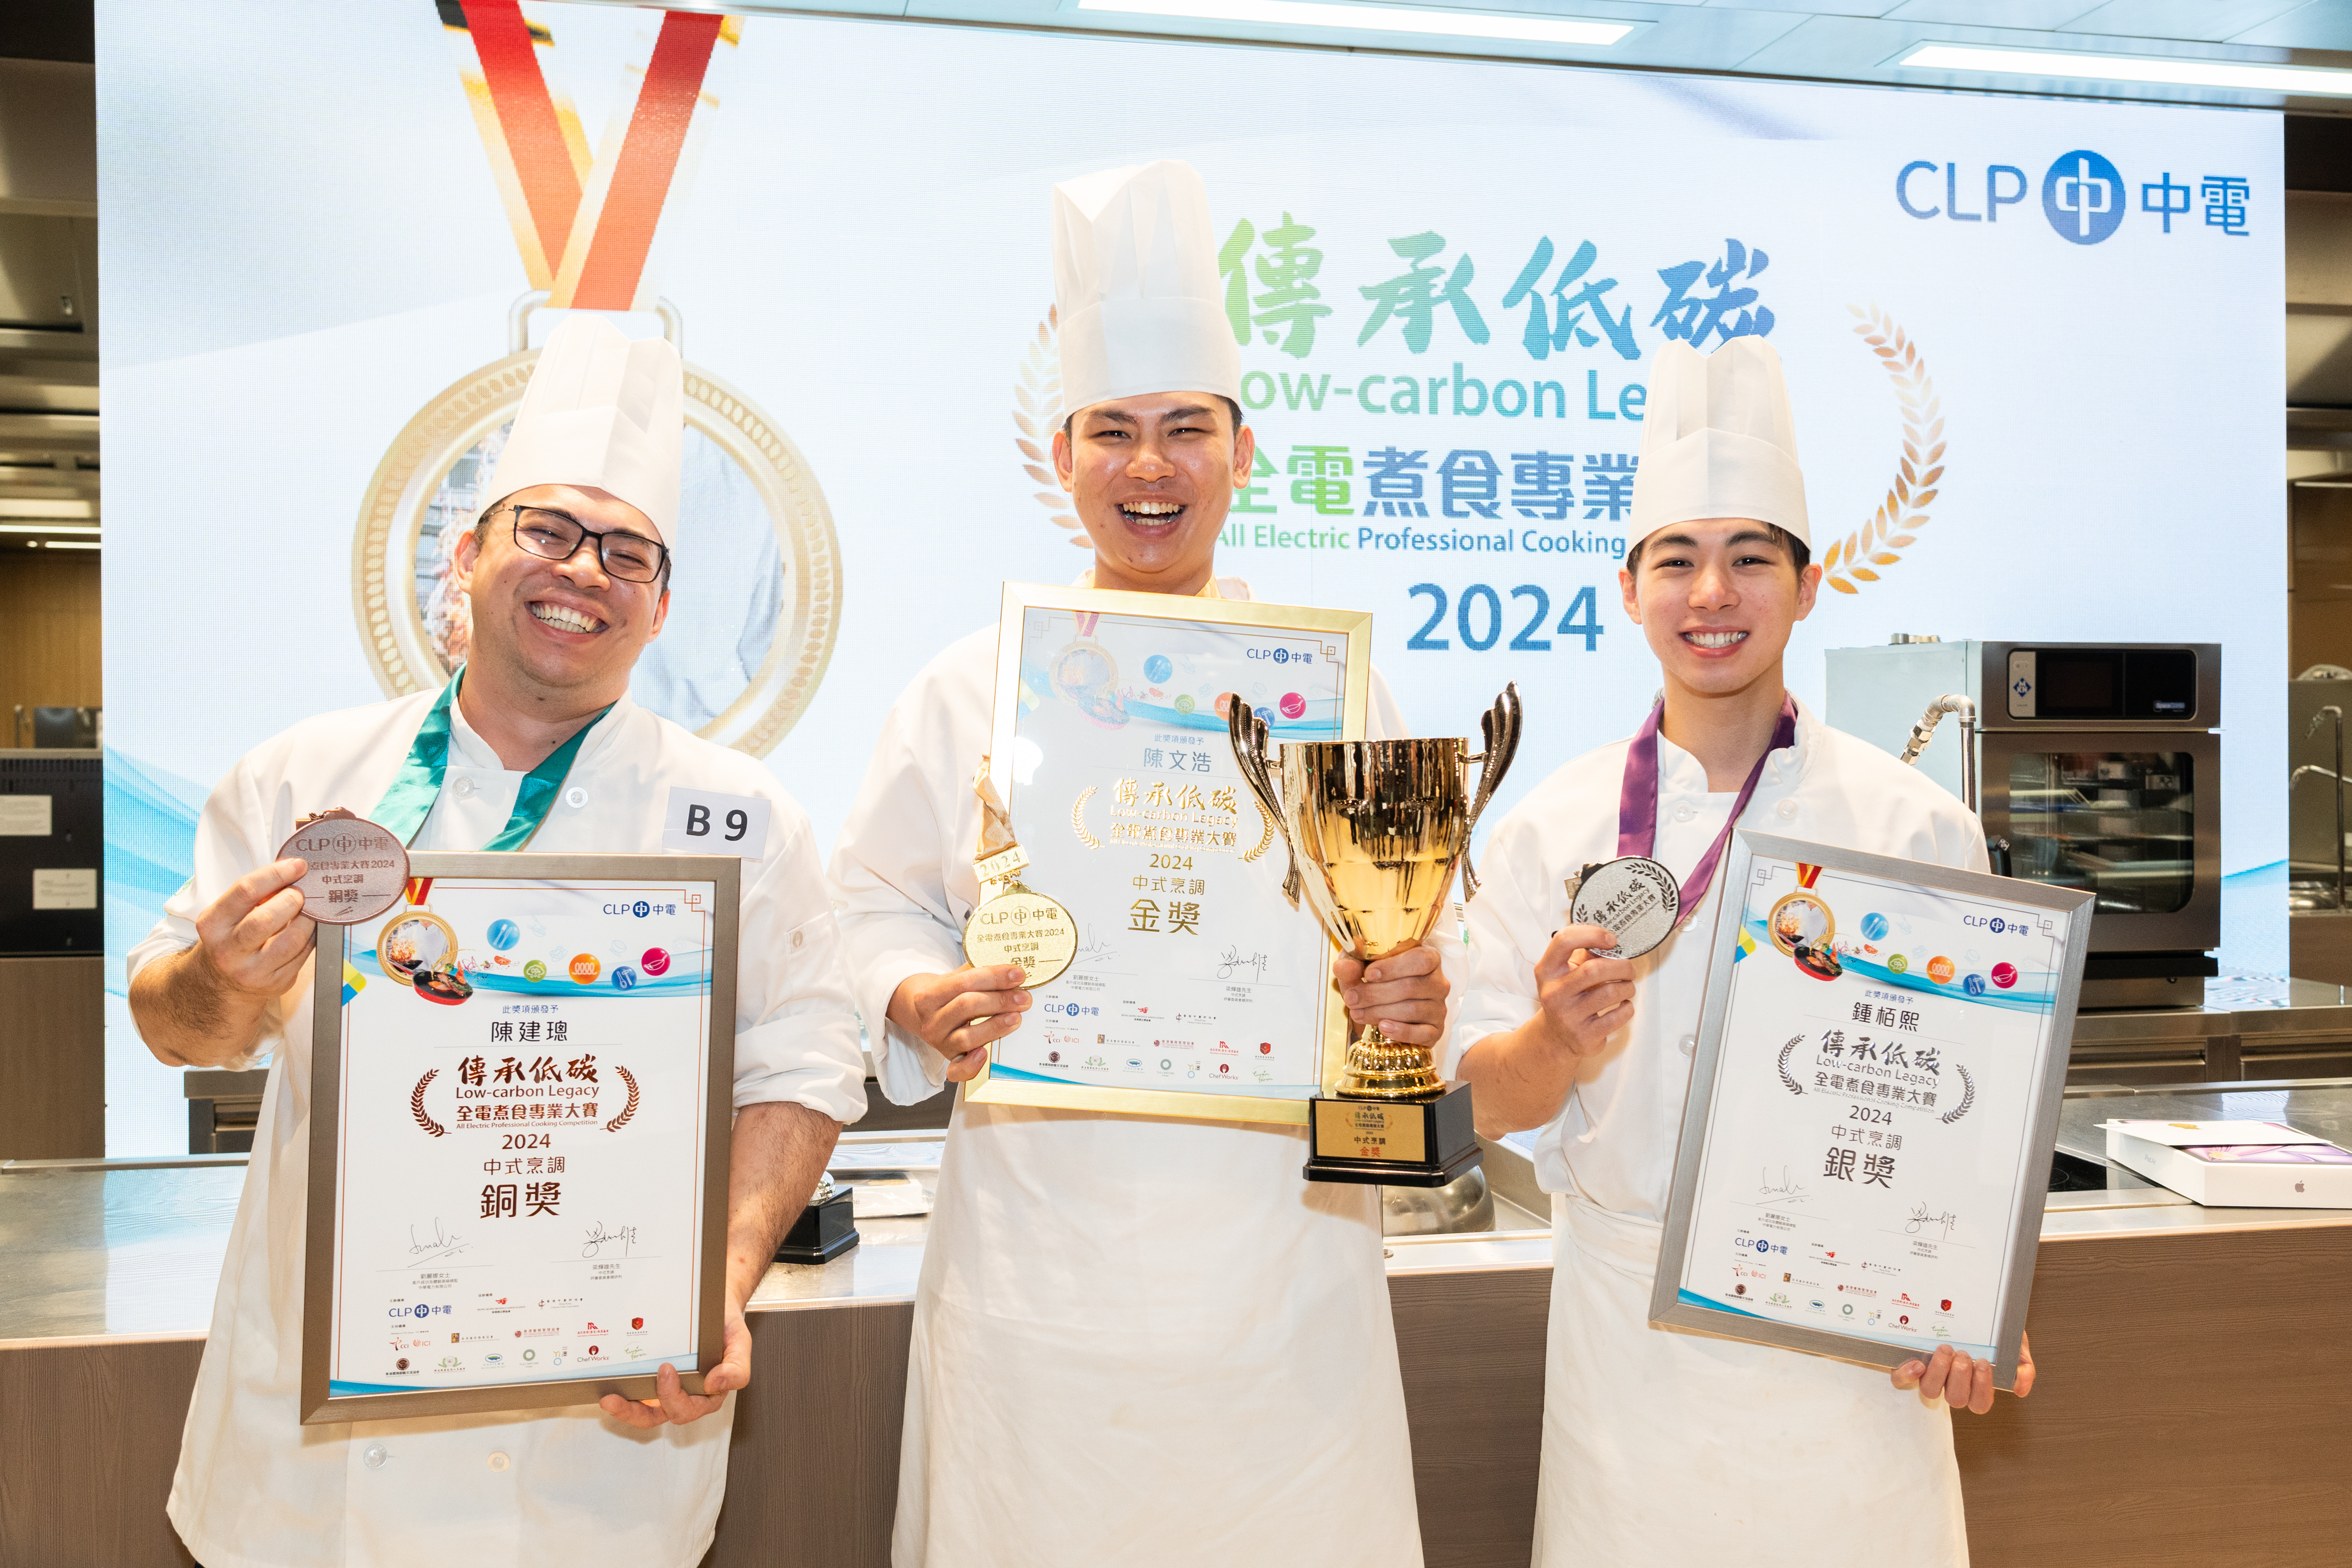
521 1079
1196 988
1874 1106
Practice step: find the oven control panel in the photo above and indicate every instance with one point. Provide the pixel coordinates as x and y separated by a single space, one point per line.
2091 685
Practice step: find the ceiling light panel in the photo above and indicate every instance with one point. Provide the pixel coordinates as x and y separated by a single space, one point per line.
1511 27
2162 71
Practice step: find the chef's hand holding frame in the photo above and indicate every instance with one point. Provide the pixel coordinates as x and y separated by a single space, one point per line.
1960 1380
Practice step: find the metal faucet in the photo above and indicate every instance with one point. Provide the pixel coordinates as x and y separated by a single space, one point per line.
1924 731
1996 849
2295 778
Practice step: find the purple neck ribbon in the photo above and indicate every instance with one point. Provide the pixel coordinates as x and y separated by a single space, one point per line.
1637 800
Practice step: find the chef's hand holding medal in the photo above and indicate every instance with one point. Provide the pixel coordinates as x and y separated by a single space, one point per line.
1617 912
256 937
1014 940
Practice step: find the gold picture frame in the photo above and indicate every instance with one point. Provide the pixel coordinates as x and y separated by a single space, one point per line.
1344 637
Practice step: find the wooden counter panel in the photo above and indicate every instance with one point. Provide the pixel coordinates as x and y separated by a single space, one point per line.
812 1475
2194 1412
1471 1348
53 1061
91 1436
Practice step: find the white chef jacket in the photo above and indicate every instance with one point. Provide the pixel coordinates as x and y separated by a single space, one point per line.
1137 1340
1667 1447
255 1487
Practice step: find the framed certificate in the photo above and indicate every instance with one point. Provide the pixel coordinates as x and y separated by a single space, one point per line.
521 1085
1196 989
1874 1104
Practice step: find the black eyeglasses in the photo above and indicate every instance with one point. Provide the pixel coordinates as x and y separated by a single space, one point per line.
555 536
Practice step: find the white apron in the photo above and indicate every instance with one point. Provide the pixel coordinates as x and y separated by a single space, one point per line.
1137 1340
1670 1448
1147 1341
1673 1448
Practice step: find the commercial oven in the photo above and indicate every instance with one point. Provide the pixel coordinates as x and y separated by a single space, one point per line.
2101 769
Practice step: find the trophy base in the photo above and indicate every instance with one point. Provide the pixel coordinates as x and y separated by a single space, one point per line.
1392 1144
823 1233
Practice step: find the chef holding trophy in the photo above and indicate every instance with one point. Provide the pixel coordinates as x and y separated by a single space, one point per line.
1591 948
533 743
1137 1339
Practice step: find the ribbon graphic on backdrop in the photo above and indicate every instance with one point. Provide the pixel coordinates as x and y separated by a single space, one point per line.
585 226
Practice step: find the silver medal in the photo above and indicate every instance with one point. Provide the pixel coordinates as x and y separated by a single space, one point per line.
1635 897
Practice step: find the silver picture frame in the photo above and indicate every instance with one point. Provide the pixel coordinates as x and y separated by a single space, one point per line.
319 1405
2040 1133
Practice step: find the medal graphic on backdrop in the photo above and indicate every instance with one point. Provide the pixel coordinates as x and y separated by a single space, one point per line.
757 584
1374 830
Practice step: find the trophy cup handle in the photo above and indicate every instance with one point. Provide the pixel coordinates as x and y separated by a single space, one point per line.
1248 733
1500 727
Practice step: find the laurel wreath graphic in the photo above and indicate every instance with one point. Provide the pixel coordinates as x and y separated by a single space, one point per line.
1078 818
1037 413
1881 541
1968 1098
629 1110
1794 1087
416 1107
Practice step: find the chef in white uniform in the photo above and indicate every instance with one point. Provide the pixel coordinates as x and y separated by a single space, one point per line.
1662 1447
1137 1340
569 578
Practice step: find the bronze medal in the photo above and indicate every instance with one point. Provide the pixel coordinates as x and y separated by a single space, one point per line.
356 868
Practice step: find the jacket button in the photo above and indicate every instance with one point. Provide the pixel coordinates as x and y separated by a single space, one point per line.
1787 809
1683 812
464 787
1688 1042
575 797
374 1456
500 1461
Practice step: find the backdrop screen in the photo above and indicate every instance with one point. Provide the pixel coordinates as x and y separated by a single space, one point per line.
2034 349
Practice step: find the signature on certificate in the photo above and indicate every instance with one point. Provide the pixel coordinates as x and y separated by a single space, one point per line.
1922 1221
1232 964
1786 1190
439 1244
600 1236
1092 951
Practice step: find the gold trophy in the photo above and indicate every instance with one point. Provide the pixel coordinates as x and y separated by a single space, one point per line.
1374 830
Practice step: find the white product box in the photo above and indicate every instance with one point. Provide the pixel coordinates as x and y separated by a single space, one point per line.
2247 1164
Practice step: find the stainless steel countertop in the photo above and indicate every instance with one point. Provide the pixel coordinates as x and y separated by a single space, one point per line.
127 1254
2258 1005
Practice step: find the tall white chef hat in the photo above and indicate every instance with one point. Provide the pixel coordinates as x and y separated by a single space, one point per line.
1135 284
600 409
1718 440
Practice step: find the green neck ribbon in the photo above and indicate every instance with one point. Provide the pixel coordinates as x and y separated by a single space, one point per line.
409 801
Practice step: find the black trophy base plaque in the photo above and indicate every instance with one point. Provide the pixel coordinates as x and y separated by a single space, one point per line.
823 1233
1392 1143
